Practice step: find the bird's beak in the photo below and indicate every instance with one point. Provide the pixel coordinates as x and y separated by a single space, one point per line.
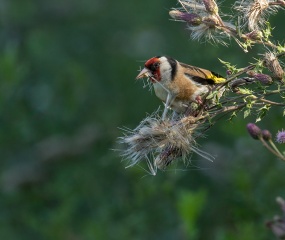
144 73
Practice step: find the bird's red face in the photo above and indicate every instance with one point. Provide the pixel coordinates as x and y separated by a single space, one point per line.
151 70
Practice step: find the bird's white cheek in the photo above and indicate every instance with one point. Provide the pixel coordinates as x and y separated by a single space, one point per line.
166 76
165 71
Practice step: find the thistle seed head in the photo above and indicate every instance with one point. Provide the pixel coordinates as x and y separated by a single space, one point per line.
273 65
255 12
161 142
167 155
209 30
277 225
204 21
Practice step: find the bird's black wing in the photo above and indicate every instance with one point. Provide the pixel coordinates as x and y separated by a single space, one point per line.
202 76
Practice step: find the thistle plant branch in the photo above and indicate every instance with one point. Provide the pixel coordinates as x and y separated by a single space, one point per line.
168 140
249 90
205 21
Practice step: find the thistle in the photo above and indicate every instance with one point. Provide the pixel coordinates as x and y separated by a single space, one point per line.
277 225
266 135
204 21
256 12
192 19
262 78
161 142
280 137
211 6
254 131
273 65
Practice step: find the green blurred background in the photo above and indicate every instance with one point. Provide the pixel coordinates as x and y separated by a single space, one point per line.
67 71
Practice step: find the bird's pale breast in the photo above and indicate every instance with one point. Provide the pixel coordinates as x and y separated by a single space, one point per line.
160 92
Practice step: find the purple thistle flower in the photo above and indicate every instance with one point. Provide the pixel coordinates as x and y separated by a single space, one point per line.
280 137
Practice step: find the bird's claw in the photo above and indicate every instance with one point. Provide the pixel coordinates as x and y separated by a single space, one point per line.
199 100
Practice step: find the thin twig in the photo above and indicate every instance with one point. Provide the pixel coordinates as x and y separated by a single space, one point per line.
271 102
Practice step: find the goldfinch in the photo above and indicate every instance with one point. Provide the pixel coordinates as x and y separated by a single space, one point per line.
178 84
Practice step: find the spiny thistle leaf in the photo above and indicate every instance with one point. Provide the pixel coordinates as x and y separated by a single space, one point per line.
261 112
229 66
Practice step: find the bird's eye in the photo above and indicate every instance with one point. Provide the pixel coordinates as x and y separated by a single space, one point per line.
155 66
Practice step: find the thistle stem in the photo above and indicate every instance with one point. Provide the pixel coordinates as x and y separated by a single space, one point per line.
275 148
276 153
271 102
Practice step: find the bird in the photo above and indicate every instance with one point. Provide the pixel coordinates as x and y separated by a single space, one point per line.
178 84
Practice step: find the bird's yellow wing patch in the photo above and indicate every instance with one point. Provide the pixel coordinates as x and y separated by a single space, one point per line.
217 79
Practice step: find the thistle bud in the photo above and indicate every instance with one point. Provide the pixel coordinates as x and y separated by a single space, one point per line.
253 130
191 18
255 35
211 6
266 135
262 78
273 65
229 72
211 21
250 73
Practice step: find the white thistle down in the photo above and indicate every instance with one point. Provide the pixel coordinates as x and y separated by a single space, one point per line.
160 142
256 12
210 32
